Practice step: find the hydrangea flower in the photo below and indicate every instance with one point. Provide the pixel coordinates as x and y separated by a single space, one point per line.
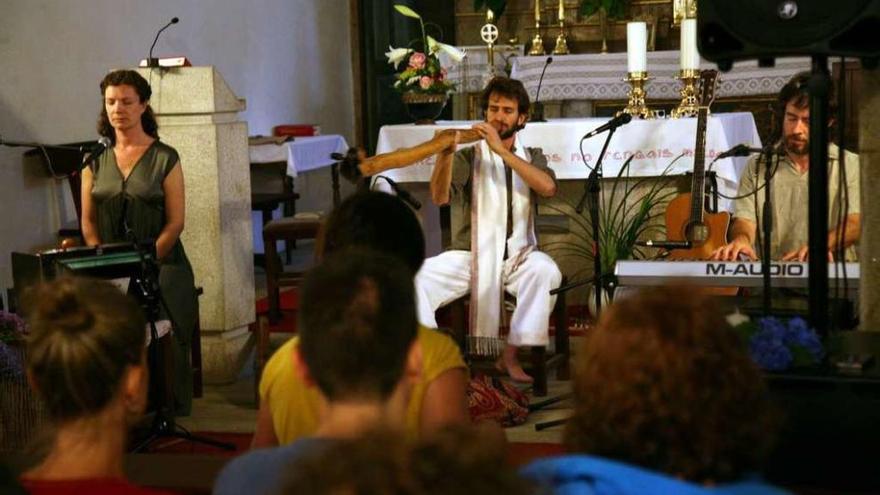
777 345
12 329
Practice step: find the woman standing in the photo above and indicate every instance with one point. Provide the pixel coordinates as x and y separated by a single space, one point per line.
135 190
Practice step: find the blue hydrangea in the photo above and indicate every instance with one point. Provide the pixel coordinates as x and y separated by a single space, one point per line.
776 344
12 328
769 352
11 365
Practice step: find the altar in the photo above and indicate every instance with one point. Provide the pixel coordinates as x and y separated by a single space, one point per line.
653 144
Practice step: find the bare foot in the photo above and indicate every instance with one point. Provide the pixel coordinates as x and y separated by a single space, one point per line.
508 363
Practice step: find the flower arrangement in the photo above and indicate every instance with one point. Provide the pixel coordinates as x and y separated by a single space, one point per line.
12 331
422 72
777 345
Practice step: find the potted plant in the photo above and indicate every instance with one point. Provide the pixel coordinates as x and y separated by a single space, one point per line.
629 211
422 82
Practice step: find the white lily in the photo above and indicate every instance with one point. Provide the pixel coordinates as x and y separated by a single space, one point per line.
454 53
397 55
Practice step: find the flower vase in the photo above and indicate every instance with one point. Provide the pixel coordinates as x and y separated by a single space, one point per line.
424 108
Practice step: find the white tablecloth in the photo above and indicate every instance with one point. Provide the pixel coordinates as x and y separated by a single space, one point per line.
598 76
302 154
655 143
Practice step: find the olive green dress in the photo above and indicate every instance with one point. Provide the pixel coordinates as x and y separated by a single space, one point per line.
145 214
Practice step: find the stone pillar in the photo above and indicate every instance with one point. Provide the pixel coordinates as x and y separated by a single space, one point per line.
198 115
869 157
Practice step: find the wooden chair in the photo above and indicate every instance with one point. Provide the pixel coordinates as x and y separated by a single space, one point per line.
271 187
539 362
289 229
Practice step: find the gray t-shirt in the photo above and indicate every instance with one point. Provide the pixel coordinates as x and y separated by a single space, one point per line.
790 199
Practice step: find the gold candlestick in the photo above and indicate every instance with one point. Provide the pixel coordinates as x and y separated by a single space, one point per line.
561 47
637 95
537 45
537 41
688 106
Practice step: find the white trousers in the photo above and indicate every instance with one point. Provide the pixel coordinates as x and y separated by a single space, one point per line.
447 277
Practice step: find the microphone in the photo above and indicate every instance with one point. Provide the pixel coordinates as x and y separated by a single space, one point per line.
403 194
538 112
746 150
154 62
98 150
666 244
614 123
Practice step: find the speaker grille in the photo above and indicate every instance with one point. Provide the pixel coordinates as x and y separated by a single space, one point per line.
755 28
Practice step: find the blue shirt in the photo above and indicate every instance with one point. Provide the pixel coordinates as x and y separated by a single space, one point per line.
260 472
587 475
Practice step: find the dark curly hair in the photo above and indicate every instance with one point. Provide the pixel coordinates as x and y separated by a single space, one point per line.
508 88
455 460
796 92
142 87
663 383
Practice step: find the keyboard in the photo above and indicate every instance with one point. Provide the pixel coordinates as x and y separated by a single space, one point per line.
791 274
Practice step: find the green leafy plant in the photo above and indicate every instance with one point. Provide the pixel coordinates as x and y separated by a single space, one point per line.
422 72
625 216
615 9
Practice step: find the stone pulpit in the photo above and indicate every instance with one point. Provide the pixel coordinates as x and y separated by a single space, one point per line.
198 115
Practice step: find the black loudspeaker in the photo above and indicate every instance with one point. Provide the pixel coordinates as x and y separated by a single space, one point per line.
731 30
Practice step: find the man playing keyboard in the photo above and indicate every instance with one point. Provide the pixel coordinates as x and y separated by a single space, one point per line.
790 191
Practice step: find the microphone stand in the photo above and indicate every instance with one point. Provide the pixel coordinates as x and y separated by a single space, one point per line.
150 294
538 113
767 230
592 191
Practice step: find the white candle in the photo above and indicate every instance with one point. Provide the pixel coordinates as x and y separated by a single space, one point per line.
537 10
637 46
690 58
561 10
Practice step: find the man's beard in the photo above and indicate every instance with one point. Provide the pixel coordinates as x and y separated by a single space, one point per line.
796 146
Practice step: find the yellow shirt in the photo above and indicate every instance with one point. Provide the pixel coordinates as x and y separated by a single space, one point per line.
295 405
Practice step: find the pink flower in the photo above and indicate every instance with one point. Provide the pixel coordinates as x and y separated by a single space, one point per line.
425 82
417 60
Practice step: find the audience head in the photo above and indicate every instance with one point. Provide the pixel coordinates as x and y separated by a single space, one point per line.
358 325
140 89
86 348
451 461
661 383
378 221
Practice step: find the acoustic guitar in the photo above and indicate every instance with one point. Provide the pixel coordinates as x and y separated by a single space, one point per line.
686 215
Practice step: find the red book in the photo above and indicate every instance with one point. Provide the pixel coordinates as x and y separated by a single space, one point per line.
296 130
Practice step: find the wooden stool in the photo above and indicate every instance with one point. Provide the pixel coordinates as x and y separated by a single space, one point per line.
539 361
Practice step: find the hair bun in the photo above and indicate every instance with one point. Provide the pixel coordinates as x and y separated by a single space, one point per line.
64 308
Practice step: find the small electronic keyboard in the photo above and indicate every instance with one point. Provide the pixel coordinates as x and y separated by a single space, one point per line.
728 273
